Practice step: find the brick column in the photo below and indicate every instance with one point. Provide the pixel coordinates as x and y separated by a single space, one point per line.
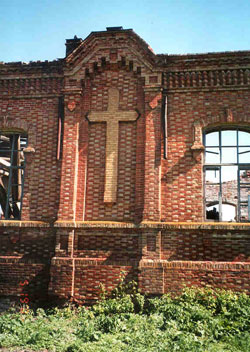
140 157
70 155
83 152
153 102
29 153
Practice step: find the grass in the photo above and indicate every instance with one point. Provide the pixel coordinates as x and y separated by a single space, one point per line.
197 320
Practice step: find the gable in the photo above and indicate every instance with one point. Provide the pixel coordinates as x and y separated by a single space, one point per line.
122 47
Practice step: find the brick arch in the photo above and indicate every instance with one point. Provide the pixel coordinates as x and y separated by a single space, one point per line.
203 125
214 203
210 204
19 126
226 116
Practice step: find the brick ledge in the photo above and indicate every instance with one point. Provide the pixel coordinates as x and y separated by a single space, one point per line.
158 263
143 263
17 223
154 225
129 225
194 265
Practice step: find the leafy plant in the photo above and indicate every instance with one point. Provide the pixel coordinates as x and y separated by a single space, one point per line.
198 320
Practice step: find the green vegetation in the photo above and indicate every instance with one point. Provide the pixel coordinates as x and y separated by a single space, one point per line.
197 320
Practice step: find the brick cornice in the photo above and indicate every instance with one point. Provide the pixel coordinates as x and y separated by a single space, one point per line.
207 78
30 86
204 60
32 68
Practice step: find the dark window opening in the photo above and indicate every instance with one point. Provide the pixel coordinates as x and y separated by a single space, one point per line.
12 166
227 175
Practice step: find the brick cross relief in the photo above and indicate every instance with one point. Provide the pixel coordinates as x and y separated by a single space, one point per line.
112 117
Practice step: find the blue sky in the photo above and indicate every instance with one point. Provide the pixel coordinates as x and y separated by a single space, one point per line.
37 29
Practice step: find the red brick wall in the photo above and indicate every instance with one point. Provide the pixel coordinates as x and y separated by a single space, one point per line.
96 99
29 98
61 277
73 258
152 188
109 245
90 276
15 273
172 277
165 259
207 245
124 209
182 175
35 243
25 254
69 162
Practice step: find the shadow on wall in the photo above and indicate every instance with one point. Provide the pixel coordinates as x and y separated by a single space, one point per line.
182 166
25 257
206 245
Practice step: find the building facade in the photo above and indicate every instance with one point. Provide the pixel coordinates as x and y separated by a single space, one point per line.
117 160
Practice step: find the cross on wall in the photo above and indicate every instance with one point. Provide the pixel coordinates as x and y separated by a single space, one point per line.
112 116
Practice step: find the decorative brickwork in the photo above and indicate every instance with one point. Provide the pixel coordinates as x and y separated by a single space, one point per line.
114 177
112 117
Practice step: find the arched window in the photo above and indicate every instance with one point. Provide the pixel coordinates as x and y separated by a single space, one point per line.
12 165
227 174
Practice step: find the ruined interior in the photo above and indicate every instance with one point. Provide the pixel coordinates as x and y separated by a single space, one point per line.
227 175
12 165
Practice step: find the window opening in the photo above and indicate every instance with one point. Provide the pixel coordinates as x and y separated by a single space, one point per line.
12 166
227 175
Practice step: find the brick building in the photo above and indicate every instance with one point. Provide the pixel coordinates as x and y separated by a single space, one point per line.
115 159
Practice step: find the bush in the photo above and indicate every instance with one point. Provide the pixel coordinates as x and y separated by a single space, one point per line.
198 320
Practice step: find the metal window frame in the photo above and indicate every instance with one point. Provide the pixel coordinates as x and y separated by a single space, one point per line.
240 166
12 150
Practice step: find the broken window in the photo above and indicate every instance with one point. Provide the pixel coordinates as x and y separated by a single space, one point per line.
227 175
12 165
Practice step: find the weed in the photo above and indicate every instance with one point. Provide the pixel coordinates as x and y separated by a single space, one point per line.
198 320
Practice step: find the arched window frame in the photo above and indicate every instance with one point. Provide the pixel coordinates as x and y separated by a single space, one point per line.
241 166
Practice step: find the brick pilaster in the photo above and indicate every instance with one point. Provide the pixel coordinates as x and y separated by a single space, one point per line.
70 155
153 98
